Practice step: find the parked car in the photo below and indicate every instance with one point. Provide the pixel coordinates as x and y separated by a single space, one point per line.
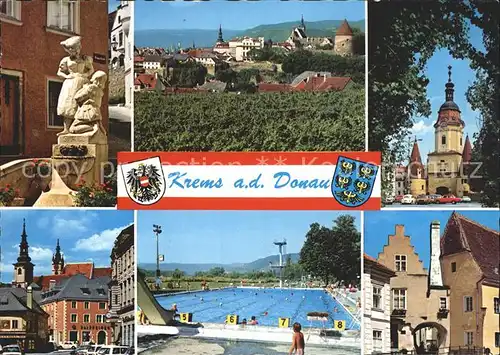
466 199
450 199
94 349
389 200
398 198
408 200
435 198
82 350
112 349
12 350
68 345
423 200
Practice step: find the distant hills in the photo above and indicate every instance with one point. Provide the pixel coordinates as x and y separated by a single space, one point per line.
207 38
191 269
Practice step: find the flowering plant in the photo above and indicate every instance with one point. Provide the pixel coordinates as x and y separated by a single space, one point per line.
7 195
96 195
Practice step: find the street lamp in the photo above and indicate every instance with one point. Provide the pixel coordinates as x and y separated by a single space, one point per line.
157 232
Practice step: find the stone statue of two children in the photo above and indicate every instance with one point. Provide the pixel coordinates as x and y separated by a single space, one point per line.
81 94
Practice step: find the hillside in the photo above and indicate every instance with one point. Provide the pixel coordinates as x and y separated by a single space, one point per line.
191 269
206 38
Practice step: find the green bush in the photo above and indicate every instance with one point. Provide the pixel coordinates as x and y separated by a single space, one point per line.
96 195
298 121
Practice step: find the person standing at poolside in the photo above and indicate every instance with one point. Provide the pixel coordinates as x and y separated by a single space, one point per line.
298 343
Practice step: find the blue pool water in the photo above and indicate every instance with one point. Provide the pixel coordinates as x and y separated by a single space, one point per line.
214 306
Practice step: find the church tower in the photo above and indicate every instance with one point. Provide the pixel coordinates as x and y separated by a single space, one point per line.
23 269
302 23
343 40
220 39
57 261
416 172
445 162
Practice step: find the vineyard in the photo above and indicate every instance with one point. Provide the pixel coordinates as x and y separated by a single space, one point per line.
301 121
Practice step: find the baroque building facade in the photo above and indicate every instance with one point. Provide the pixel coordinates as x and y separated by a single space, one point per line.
121 314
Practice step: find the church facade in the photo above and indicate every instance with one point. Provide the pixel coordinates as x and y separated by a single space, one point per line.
448 165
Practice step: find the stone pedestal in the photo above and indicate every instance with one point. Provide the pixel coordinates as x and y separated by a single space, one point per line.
58 196
79 157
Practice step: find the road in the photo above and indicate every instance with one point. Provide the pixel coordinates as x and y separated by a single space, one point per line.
59 352
437 206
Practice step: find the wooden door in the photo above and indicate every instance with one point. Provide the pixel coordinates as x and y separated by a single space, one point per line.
10 115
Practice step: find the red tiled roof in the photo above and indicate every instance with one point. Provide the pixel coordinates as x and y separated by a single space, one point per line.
102 271
222 45
44 280
322 83
344 29
462 234
271 87
138 59
145 80
79 268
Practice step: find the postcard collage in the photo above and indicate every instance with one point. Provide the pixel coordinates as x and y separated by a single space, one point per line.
264 177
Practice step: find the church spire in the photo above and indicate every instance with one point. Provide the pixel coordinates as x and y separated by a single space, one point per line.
57 261
220 39
302 23
23 246
449 86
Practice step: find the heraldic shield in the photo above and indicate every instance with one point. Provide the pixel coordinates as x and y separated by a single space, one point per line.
144 180
353 181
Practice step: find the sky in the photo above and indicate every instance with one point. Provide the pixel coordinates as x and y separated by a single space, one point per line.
462 76
85 235
239 15
225 236
379 225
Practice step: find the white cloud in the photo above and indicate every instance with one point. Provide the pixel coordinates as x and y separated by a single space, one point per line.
38 253
421 128
68 225
99 242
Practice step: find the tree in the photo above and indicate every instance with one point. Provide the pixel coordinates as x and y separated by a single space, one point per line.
217 271
332 254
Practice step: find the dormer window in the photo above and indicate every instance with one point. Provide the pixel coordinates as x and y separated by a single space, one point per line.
85 290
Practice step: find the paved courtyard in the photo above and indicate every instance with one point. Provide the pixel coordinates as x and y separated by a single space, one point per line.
189 346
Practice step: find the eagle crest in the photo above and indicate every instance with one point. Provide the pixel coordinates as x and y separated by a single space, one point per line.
144 182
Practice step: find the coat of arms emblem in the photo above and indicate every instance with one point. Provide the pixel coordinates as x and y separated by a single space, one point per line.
144 180
353 181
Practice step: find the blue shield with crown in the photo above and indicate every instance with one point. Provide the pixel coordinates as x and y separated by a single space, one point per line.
353 181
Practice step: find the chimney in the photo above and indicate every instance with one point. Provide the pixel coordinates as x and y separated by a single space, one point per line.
324 77
435 275
29 297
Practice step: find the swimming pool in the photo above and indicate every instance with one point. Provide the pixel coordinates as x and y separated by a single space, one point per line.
214 306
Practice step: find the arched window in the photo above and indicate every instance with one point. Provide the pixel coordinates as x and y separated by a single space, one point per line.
460 140
443 139
19 271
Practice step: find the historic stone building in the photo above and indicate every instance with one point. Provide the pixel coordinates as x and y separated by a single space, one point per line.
447 167
22 320
31 32
341 43
121 289
469 258
419 317
77 310
376 306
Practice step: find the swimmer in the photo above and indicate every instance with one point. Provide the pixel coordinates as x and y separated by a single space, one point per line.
201 299
265 313
298 343
286 299
220 304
